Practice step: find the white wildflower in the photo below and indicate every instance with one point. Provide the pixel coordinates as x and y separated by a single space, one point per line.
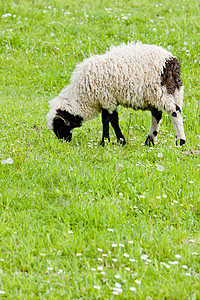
132 289
184 267
191 241
7 161
118 290
138 281
173 262
97 287
126 255
6 15
166 265
160 155
160 168
125 18
115 259
115 293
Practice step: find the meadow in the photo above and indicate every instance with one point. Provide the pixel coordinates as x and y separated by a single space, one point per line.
81 221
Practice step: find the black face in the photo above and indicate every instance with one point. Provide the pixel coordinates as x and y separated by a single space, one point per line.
64 123
62 131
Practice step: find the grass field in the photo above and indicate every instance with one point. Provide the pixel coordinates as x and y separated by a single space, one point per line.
79 221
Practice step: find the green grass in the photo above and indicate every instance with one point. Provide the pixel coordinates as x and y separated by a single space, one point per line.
58 200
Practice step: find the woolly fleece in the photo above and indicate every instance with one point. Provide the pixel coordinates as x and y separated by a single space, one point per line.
127 75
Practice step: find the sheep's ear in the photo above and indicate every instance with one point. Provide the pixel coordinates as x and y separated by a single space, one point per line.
62 120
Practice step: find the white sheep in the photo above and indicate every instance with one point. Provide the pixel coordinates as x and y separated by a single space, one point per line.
145 77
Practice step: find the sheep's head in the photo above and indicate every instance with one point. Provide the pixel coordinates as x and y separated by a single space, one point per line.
64 123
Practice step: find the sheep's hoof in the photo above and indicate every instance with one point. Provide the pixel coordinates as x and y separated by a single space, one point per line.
104 140
122 141
102 143
149 141
182 142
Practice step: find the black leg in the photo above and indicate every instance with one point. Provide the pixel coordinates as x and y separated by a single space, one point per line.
156 116
105 116
115 124
114 120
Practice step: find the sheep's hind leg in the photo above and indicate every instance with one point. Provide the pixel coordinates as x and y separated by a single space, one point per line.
115 124
177 121
156 116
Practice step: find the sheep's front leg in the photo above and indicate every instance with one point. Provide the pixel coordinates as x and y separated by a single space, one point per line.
177 121
115 124
114 120
156 116
105 117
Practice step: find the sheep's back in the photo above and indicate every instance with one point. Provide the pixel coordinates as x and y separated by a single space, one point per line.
127 75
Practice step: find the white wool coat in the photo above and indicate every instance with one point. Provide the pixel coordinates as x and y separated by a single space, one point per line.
127 75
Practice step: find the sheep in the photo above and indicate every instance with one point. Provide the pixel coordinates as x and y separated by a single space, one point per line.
141 76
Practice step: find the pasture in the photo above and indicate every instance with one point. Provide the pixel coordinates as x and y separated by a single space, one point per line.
81 221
